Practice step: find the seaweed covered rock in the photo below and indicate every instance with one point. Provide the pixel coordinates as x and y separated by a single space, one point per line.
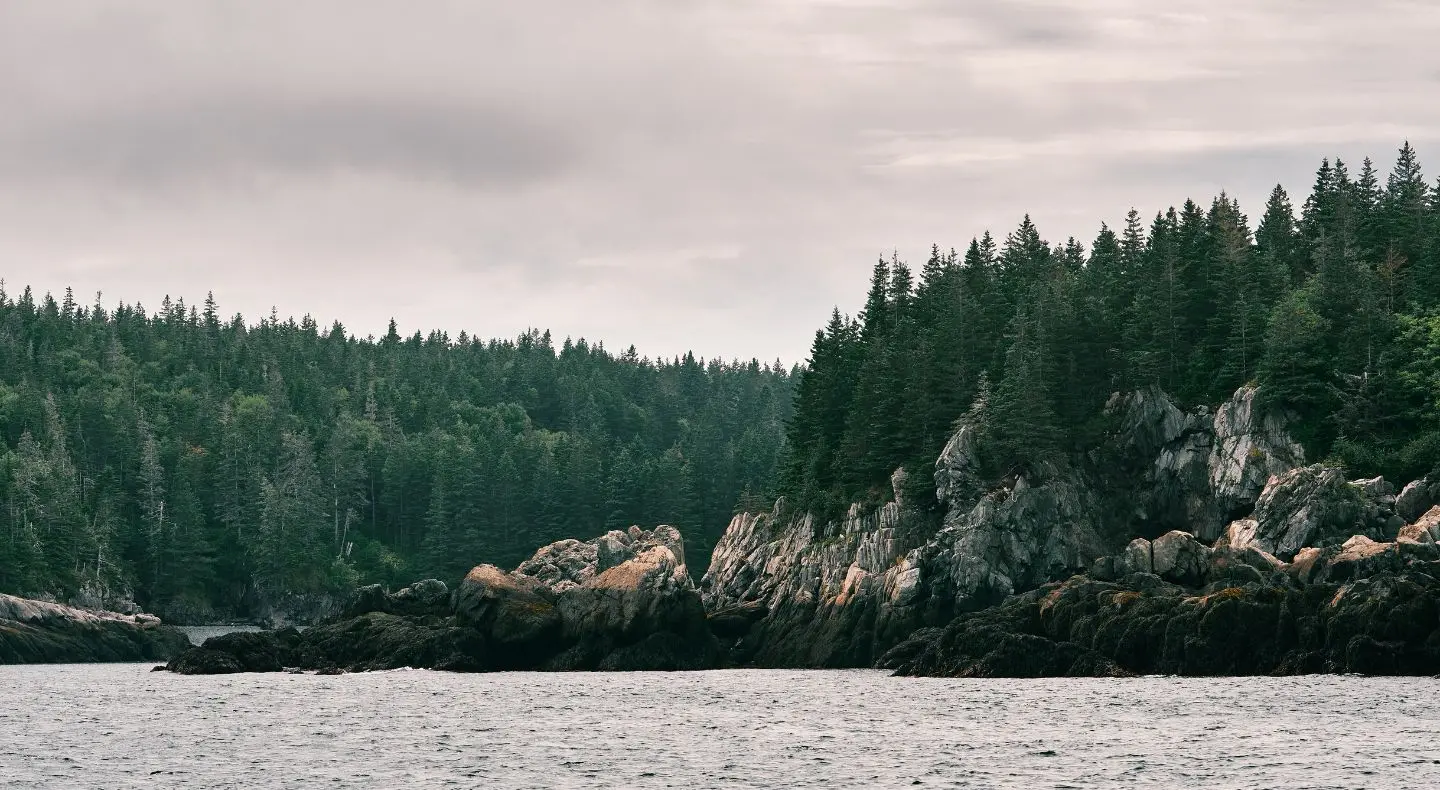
1386 623
39 632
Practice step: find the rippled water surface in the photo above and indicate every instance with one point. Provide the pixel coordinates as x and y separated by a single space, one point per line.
119 726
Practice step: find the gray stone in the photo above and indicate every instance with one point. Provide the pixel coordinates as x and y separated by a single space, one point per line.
1310 506
1179 558
1414 499
1136 558
1250 447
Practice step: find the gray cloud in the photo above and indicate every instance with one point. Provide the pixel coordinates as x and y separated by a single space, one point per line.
210 136
707 174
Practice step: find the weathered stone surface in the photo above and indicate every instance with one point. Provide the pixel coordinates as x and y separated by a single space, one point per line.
623 601
1309 506
1179 558
814 595
838 594
39 632
1426 528
1251 445
1416 498
1136 558
1387 623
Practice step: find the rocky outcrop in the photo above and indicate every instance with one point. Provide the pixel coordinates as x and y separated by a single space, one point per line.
1364 607
790 592
1416 498
1208 470
1315 506
624 601
840 593
38 632
1251 445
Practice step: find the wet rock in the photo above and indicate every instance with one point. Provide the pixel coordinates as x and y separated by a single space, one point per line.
1388 623
242 651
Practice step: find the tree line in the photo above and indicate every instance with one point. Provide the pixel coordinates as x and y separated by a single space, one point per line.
1335 312
207 464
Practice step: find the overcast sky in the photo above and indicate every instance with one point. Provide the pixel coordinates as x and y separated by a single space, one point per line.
677 174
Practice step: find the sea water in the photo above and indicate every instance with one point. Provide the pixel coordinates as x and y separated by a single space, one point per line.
121 726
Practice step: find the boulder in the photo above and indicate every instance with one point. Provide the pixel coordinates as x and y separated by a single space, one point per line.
1179 558
427 597
1309 506
242 651
1426 528
1415 499
1137 558
513 609
1360 557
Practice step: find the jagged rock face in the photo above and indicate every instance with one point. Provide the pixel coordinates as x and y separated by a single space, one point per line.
841 594
958 483
1309 506
1013 539
1417 498
1205 470
1146 422
807 595
39 632
835 599
1250 447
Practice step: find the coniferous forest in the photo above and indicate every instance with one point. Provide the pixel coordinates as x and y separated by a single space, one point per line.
1335 313
205 462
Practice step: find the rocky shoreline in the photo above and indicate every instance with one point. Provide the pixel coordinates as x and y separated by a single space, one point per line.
1187 543
1193 543
39 632
623 601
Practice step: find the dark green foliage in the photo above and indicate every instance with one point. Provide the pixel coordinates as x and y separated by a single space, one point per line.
204 463
1333 313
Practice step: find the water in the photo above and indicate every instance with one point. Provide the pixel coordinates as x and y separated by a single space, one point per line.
118 726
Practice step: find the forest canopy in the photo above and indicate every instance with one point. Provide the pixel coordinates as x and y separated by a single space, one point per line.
207 464
1335 313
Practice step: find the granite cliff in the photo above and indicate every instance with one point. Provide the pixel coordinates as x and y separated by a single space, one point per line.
1169 506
